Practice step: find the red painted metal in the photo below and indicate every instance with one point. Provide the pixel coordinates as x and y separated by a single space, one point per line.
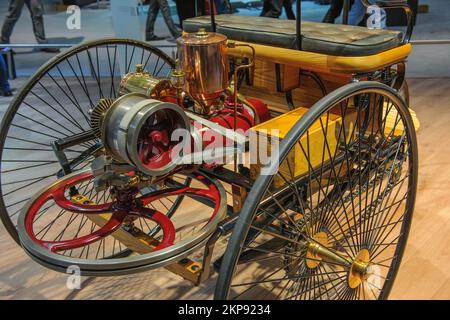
137 209
112 225
245 118
261 108
225 118
155 149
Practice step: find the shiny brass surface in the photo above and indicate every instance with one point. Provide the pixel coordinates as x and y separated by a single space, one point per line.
97 114
142 82
359 269
177 78
329 255
313 254
203 58
317 253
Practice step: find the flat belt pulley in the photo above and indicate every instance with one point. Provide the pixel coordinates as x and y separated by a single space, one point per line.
138 131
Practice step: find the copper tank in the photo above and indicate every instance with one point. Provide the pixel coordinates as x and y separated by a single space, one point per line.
203 58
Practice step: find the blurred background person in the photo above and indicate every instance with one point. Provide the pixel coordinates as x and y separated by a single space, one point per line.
273 8
36 11
335 10
154 7
191 8
186 9
358 12
5 89
287 5
222 6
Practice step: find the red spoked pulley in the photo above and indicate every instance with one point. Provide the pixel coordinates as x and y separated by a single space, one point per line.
154 150
117 212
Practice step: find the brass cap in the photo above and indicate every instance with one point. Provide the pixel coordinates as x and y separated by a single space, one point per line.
139 68
201 33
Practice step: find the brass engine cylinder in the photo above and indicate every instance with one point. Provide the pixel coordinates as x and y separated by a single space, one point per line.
141 82
203 58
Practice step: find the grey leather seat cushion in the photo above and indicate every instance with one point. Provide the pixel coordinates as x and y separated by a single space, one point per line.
330 39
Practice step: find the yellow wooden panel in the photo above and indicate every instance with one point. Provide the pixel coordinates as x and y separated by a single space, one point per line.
322 62
282 123
322 140
392 120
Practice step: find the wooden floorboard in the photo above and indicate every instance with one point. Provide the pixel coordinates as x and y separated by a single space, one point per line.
424 273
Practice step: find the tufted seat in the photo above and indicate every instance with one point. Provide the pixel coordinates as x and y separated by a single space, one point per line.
329 39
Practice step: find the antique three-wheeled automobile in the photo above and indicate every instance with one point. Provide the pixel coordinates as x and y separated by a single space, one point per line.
116 158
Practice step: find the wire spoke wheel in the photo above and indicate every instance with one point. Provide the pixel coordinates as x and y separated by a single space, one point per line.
53 105
332 222
94 231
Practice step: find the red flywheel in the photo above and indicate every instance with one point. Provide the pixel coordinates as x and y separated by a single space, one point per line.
69 223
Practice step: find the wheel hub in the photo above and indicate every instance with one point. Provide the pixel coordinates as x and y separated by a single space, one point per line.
359 269
317 251
313 257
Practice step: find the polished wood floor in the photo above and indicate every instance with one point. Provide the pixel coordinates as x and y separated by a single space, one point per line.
424 273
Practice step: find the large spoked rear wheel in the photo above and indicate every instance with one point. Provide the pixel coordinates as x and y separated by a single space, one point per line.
332 223
54 105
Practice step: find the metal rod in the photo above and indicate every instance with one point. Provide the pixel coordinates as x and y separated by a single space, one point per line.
428 42
298 24
328 255
251 64
74 140
213 17
35 45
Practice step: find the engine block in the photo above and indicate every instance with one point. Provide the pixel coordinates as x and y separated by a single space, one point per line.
139 130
